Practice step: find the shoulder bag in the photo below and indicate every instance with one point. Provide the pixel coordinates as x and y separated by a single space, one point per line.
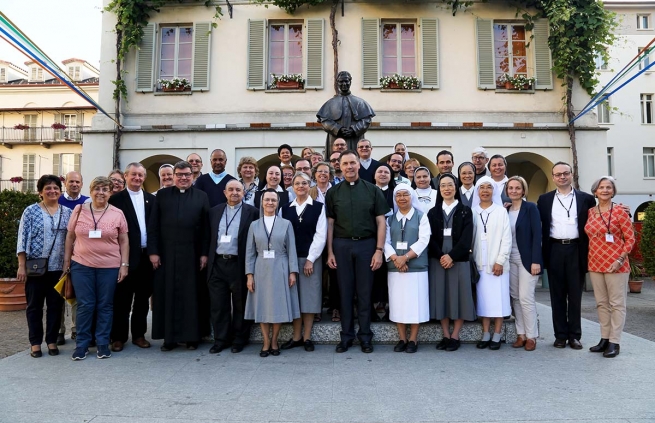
37 267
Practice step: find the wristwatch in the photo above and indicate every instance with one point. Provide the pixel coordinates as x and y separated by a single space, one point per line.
125 264
379 248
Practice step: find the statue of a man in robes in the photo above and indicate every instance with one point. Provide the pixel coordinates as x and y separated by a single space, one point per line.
345 116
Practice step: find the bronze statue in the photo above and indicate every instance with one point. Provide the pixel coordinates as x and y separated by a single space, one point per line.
345 116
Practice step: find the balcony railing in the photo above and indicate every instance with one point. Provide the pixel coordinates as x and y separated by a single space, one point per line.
42 134
24 186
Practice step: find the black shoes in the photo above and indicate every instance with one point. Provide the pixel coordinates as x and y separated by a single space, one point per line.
237 348
559 343
275 352
309 345
612 350
216 348
343 346
412 347
292 344
601 347
443 343
53 351
494 345
483 344
575 344
36 354
264 353
400 346
453 345
61 340
367 347
168 346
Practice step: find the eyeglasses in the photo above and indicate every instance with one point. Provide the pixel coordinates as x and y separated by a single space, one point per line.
270 200
101 189
334 160
117 181
446 185
396 161
300 184
184 175
403 195
562 174
475 158
363 147
195 161
298 169
323 171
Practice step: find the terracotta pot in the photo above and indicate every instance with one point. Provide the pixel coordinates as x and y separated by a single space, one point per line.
177 89
12 295
393 86
288 85
635 286
509 86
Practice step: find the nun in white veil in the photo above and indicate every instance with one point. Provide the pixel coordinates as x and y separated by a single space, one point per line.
408 235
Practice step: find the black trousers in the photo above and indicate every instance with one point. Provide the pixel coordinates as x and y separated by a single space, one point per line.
38 291
227 295
566 282
133 295
355 276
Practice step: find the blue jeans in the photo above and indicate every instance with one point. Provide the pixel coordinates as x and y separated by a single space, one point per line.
94 289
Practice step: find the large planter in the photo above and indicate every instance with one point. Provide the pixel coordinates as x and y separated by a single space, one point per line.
12 295
288 85
173 89
635 286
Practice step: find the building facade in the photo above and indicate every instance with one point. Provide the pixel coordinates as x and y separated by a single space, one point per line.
232 103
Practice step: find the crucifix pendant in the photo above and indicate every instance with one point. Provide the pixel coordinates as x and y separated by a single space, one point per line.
300 219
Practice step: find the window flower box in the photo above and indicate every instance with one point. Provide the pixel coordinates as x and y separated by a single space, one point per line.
58 125
519 82
21 126
400 82
174 85
293 81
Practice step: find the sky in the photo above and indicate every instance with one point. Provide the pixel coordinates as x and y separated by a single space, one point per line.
60 28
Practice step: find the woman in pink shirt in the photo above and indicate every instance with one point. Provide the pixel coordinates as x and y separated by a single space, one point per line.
96 253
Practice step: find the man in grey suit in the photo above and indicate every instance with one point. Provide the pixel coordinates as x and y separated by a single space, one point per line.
229 223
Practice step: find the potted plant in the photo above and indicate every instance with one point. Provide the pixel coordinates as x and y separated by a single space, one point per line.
58 125
518 82
400 82
291 81
12 204
174 85
21 127
647 243
636 280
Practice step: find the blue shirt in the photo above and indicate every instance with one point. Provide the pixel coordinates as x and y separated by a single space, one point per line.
217 178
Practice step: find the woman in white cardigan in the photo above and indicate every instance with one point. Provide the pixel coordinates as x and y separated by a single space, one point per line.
492 243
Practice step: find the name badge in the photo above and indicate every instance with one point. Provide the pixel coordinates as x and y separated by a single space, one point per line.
483 236
401 245
609 237
95 234
570 221
269 254
226 239
448 232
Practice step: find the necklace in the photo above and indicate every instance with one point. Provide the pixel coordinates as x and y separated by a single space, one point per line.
48 209
100 210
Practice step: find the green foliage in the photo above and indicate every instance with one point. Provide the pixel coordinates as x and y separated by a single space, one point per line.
647 245
12 204
290 6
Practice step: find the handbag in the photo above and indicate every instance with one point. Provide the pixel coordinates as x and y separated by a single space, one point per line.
37 267
65 287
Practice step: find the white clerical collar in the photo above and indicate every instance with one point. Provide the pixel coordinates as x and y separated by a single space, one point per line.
182 191
307 202
408 216
234 207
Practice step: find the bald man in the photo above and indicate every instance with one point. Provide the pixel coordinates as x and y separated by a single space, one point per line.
214 182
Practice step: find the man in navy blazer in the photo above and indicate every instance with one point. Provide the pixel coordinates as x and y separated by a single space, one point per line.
133 294
565 248
226 269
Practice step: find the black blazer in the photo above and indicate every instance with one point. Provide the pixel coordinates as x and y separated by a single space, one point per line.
462 232
123 201
283 196
528 235
583 202
248 215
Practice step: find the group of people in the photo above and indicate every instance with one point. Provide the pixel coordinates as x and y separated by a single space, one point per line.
217 252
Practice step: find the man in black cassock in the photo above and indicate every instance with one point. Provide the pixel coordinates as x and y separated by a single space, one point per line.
345 116
178 239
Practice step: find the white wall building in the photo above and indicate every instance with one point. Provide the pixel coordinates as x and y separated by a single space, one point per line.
232 106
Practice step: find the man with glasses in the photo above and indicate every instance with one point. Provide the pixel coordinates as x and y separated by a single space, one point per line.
196 165
214 182
395 161
565 246
178 241
339 145
303 166
367 165
480 158
334 162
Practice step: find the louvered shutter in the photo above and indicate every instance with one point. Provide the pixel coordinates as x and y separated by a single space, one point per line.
543 63
58 133
315 54
55 164
145 60
201 48
485 49
77 162
371 53
430 52
256 78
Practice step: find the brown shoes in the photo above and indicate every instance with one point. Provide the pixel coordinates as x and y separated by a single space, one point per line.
530 344
141 342
117 346
520 342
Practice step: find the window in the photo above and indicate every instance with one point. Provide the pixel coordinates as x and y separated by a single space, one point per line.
610 161
74 72
29 134
29 183
176 48
601 64
3 75
37 74
64 163
398 49
643 21
603 111
643 63
285 49
510 51
649 162
647 108
70 133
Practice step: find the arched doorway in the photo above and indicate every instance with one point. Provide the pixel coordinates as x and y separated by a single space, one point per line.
152 165
640 212
271 160
535 169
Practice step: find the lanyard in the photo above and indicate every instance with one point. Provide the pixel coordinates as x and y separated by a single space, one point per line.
450 216
608 220
402 228
268 234
95 223
227 224
484 222
568 211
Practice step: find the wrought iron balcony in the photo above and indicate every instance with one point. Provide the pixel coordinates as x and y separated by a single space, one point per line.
41 135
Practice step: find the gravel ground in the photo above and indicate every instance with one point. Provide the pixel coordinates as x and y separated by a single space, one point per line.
640 319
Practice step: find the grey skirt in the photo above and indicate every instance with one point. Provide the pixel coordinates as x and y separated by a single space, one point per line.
310 288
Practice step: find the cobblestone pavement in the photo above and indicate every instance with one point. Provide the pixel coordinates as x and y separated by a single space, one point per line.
640 319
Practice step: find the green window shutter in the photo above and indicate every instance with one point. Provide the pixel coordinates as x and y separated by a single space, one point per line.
201 48
543 63
371 53
485 39
55 164
430 52
145 59
315 55
256 54
77 162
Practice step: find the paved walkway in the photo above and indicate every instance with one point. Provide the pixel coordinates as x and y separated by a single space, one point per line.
148 386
